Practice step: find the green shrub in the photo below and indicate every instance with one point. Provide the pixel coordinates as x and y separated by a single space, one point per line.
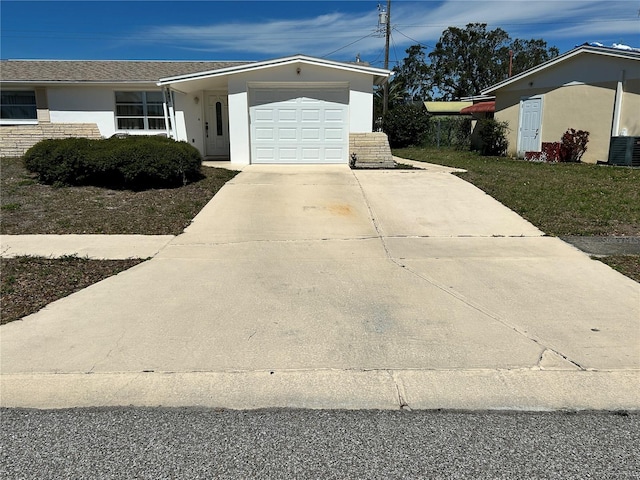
59 161
134 162
406 125
493 135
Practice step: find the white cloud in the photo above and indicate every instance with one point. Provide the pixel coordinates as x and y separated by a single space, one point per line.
424 21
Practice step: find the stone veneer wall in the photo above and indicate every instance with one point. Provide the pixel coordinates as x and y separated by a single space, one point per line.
15 140
371 150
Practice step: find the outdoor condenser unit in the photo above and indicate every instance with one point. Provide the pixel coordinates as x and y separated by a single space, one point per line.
624 151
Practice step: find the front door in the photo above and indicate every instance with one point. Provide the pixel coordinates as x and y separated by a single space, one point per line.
217 126
529 135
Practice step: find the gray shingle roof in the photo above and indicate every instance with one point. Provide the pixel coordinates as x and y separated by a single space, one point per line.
101 70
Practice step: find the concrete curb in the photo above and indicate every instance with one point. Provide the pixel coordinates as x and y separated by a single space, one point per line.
525 390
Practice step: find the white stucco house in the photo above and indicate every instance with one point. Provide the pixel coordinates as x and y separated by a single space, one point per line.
296 109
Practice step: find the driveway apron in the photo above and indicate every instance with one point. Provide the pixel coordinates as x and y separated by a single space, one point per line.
322 287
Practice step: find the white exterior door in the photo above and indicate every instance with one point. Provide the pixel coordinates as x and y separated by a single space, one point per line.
217 126
530 132
299 125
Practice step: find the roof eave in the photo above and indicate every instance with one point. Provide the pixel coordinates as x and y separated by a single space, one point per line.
561 58
380 74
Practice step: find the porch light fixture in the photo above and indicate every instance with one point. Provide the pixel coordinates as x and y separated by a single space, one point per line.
196 100
298 70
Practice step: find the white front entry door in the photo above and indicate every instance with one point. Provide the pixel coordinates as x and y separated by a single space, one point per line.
530 132
217 126
299 125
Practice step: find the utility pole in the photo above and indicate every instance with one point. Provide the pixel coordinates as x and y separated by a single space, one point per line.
387 31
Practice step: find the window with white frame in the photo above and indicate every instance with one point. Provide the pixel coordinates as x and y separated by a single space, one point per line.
140 111
18 105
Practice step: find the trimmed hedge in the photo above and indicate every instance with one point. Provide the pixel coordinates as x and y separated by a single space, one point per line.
133 162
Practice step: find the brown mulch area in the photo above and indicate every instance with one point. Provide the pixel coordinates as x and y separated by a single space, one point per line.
28 207
27 284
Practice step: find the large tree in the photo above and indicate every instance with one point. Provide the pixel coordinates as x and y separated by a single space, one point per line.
466 61
412 78
529 53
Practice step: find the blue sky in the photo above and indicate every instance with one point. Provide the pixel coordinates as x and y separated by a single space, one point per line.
255 30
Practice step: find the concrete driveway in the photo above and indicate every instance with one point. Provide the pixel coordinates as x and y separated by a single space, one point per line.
323 287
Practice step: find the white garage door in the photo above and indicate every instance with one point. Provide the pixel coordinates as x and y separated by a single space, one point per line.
302 125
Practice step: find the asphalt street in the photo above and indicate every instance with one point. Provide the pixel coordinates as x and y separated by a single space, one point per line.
158 443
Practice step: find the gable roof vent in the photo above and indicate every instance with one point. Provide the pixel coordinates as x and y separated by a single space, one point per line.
624 151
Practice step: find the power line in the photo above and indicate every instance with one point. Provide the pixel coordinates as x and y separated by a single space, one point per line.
348 45
412 39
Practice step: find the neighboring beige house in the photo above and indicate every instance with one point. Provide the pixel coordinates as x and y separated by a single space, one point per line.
596 89
296 109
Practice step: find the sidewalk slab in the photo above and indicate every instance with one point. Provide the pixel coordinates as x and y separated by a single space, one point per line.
98 247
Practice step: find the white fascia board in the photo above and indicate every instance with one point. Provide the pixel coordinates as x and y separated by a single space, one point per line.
477 98
276 63
561 58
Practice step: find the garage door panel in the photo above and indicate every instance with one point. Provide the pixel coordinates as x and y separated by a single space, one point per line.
264 115
288 153
299 125
311 154
310 134
285 134
334 115
264 153
331 134
287 114
264 133
310 115
333 153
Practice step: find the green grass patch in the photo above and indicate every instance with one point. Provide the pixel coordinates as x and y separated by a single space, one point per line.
559 198
9 207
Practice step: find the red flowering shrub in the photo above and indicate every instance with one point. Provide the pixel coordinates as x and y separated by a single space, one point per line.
573 145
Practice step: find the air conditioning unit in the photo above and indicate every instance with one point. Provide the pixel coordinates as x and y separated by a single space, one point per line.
624 151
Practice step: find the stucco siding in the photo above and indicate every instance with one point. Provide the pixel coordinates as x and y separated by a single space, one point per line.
630 115
564 108
239 124
83 105
190 118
